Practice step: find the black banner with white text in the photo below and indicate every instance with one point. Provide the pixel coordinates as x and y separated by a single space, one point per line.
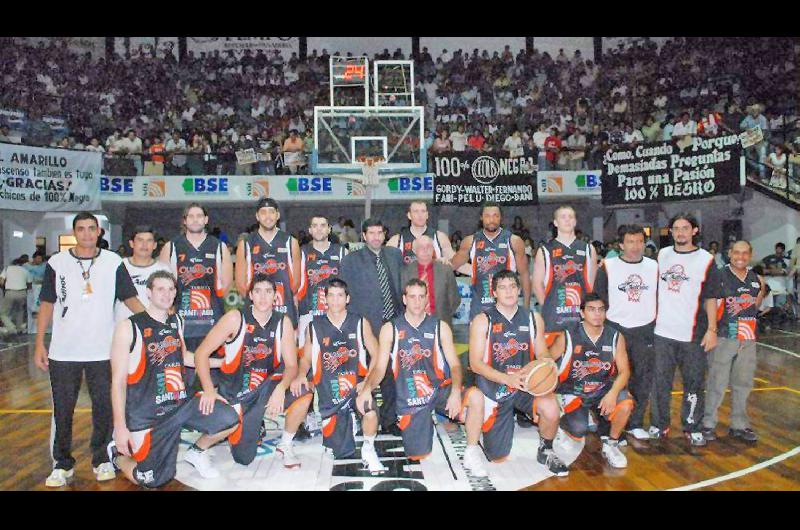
469 179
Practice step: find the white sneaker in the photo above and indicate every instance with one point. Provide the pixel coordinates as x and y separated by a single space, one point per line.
311 424
290 459
473 462
104 471
639 434
622 442
201 462
369 458
613 455
58 478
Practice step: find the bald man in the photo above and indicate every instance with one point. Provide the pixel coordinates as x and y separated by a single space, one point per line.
443 298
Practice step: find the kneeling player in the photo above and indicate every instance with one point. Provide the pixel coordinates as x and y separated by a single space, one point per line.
148 394
503 342
421 350
336 346
589 354
260 362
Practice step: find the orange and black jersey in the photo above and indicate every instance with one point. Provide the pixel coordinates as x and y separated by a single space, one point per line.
316 268
737 309
488 257
405 241
275 260
156 377
587 367
509 347
566 282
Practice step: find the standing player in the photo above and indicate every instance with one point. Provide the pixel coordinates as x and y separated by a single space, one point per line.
503 341
149 394
336 349
590 355
629 286
427 373
563 272
686 328
260 363
140 266
319 262
734 358
271 251
491 250
202 264
418 217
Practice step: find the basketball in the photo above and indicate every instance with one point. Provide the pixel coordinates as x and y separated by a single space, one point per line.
543 378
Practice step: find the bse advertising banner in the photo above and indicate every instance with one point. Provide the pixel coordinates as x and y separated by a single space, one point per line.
49 180
563 184
663 172
470 179
285 45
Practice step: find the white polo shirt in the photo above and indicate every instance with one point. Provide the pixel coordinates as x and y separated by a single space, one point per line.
139 276
16 277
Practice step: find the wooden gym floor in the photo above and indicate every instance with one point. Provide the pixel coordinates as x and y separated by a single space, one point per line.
771 464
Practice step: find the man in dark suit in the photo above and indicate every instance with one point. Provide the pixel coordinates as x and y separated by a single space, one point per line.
373 274
443 300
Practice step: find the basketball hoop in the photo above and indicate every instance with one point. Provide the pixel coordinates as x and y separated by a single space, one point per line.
370 165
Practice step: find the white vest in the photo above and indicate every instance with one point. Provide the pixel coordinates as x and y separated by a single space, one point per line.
632 291
680 283
139 276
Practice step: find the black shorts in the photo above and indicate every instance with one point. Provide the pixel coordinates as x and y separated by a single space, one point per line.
575 420
337 427
498 422
244 440
156 448
417 427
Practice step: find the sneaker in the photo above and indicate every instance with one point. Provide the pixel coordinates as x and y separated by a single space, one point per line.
58 478
696 439
523 420
201 462
111 450
473 462
709 434
290 459
104 471
302 434
622 442
370 460
746 435
613 455
639 434
656 433
311 424
548 457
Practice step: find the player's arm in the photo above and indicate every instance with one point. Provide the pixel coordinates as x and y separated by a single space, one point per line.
537 280
592 266
462 256
478 330
43 320
522 266
453 406
125 291
609 402
276 400
295 265
761 292
370 343
222 331
241 269
120 349
558 348
165 257
601 282
447 247
227 270
377 368
303 366
540 350
710 293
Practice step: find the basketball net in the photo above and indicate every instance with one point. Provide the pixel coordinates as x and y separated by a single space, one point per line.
370 165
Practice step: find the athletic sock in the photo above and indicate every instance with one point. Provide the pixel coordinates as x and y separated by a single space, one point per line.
545 443
287 437
369 439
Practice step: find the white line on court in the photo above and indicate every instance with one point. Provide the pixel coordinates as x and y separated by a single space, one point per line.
793 334
740 473
787 352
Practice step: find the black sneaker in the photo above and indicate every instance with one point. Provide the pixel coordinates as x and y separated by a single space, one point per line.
392 429
548 457
709 434
746 435
523 420
302 433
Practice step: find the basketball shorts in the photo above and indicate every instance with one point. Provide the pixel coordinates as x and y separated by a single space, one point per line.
156 448
244 441
575 418
416 427
337 426
302 326
498 422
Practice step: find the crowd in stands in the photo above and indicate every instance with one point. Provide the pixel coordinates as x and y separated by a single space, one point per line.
159 115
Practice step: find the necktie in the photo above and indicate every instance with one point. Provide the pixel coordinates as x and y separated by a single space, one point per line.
386 293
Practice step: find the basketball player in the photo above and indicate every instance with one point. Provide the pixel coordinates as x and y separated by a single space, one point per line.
427 372
149 394
140 266
336 349
271 251
593 375
491 250
202 264
319 262
563 272
686 328
503 341
628 283
260 362
734 358
418 217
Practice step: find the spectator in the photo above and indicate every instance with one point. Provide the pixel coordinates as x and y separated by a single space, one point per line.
757 154
777 161
15 281
513 144
5 134
552 148
459 139
684 128
669 127
442 143
176 149
651 130
293 152
131 147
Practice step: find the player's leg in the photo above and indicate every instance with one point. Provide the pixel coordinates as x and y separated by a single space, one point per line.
65 384
389 417
369 428
417 427
244 440
296 409
744 369
642 359
217 426
472 407
693 364
665 363
154 453
617 419
546 412
497 428
98 379
719 373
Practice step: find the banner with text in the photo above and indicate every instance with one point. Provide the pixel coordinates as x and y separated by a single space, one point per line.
557 184
43 180
470 179
285 45
663 172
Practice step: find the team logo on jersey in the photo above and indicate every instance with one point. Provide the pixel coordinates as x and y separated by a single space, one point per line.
193 272
147 333
504 351
279 295
407 246
497 328
200 299
422 385
316 276
564 271
346 384
480 245
675 276
572 295
409 358
490 262
173 378
256 353
582 369
633 287
557 252
256 249
158 351
270 266
255 378
746 329
251 328
334 359
737 304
